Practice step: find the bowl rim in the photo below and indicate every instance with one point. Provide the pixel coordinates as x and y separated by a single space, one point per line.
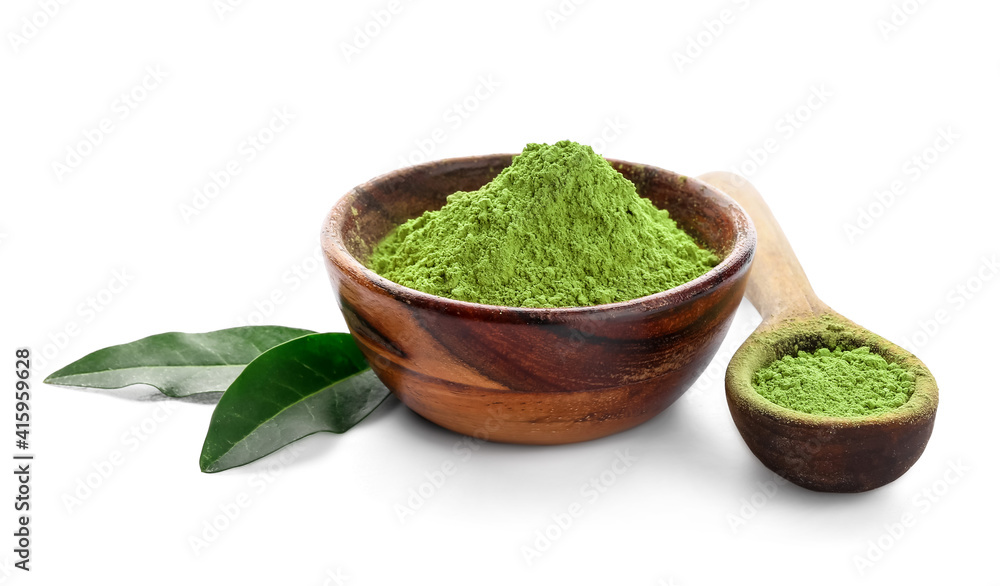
737 261
919 409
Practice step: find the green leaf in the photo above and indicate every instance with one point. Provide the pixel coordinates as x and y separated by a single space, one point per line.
313 383
176 363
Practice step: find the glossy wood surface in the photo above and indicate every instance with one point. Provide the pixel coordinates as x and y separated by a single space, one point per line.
831 454
533 376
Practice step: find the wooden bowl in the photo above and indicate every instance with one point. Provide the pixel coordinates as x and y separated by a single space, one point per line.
534 376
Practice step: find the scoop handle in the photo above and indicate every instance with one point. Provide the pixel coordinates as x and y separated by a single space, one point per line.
777 285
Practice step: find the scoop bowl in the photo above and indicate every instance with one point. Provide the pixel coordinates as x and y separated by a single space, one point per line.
823 453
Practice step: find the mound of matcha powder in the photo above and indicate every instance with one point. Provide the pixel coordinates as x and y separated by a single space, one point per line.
841 383
557 228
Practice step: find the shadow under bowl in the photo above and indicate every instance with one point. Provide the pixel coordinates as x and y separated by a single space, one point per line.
524 375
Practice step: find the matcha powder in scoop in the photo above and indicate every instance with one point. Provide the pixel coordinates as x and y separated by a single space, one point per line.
560 227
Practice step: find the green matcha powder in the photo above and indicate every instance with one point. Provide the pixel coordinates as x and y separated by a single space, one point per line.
840 383
559 227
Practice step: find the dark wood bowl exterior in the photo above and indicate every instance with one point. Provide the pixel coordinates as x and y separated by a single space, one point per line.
825 458
533 376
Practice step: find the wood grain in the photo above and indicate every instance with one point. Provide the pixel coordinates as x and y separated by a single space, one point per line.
831 454
534 376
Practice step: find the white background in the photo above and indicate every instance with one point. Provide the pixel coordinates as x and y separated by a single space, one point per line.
696 507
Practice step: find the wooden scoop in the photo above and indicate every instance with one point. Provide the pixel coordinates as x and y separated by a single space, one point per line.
831 454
